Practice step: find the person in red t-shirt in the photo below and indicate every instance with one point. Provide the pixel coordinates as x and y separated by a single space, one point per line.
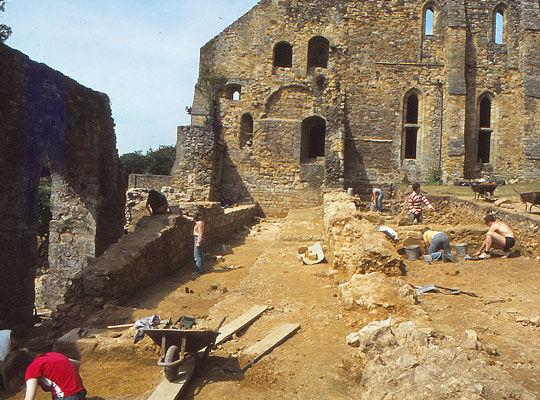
54 372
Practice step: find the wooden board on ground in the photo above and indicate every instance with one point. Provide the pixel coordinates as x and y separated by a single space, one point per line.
251 355
239 323
173 390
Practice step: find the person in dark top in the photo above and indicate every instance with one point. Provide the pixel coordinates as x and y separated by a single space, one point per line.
156 203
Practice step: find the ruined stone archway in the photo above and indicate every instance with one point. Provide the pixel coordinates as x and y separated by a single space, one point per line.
47 116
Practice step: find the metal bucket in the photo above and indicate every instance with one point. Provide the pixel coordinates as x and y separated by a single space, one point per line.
412 252
462 249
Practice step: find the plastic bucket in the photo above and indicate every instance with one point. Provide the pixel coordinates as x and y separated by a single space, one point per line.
350 191
461 249
412 252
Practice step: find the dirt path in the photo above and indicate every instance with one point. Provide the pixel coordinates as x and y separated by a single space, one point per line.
257 268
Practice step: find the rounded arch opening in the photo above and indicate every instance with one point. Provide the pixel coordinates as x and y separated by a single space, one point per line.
318 52
283 55
313 138
246 130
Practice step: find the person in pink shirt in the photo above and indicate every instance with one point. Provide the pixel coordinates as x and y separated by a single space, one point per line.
198 234
54 372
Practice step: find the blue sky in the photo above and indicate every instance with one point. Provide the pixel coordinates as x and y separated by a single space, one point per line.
143 53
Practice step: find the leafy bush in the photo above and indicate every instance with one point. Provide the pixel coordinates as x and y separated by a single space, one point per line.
435 177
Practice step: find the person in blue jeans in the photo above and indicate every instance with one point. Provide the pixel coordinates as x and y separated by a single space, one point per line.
198 234
434 242
376 199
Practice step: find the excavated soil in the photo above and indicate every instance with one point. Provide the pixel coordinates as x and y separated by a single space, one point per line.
260 266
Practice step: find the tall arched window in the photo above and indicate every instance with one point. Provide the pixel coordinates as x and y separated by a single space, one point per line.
313 138
410 126
246 131
283 55
318 50
484 129
429 19
499 25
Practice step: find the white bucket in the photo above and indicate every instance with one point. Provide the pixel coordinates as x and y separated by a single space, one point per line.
349 191
462 249
412 252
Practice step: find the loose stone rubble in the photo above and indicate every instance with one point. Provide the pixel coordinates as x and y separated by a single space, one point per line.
402 361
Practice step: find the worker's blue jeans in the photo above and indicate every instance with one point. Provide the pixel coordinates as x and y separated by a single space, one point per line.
198 255
440 242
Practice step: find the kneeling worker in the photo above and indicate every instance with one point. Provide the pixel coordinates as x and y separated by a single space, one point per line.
435 241
499 236
156 203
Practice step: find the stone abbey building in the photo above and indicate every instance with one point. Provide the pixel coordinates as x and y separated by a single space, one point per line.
323 93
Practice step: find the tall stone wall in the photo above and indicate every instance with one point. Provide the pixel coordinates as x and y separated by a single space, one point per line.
50 120
378 56
197 168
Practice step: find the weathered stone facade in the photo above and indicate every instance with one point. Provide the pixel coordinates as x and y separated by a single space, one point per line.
47 119
387 96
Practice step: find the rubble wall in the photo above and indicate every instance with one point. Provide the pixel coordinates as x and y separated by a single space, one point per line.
378 57
355 244
197 167
159 246
49 120
155 182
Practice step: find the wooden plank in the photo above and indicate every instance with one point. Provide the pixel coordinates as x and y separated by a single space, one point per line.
173 390
251 355
239 323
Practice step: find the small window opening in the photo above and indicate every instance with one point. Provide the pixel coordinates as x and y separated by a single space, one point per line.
499 27
484 131
428 21
318 50
233 92
246 131
313 138
411 127
283 55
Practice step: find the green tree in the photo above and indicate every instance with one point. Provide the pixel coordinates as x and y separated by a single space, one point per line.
160 161
154 162
132 163
5 31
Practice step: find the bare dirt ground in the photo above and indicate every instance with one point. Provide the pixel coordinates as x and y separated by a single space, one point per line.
261 267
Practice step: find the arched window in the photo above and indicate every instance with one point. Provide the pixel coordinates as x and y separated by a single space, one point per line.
246 131
313 138
283 55
484 129
429 19
233 92
499 25
318 50
410 126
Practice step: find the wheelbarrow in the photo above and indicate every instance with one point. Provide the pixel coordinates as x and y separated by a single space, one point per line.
179 345
530 197
484 189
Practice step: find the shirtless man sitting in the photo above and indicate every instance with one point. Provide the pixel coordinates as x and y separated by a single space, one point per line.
499 236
